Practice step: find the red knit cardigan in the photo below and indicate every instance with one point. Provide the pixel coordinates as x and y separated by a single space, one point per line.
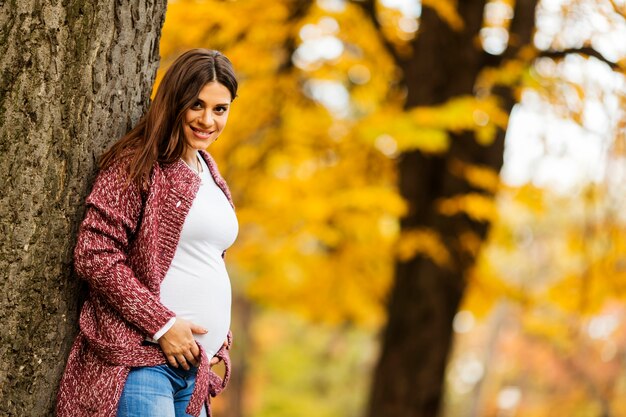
125 245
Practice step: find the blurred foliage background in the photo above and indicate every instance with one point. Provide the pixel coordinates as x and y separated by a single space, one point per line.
311 154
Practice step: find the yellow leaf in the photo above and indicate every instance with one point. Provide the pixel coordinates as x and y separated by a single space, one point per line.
447 10
422 241
479 207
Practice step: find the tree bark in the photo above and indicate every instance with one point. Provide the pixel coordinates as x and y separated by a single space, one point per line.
75 76
409 377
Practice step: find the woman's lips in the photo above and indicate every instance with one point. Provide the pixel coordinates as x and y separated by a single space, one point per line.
202 134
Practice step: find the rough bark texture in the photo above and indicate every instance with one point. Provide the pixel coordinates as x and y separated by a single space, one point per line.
409 377
74 76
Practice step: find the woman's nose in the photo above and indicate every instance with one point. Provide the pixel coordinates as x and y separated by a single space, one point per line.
207 118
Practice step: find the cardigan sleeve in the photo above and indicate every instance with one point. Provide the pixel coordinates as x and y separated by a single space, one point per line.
113 209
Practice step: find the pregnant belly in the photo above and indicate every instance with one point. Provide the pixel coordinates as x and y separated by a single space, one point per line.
205 301
217 326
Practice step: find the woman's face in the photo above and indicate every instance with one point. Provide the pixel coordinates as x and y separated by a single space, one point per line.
206 118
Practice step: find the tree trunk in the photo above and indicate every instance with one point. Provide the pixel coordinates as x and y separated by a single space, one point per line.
75 75
409 377
234 396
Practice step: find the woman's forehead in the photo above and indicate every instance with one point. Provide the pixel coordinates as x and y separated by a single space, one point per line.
214 92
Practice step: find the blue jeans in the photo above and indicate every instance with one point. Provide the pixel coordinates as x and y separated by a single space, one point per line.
157 391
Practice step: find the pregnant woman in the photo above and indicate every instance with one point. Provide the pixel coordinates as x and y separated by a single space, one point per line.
151 247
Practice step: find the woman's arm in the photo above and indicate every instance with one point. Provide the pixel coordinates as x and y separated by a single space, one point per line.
100 257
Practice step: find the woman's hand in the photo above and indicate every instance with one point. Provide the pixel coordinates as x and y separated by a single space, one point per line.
215 359
179 346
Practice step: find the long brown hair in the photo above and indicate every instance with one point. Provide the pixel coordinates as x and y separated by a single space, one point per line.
159 135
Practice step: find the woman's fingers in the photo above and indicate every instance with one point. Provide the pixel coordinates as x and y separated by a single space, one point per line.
172 361
191 358
178 343
195 351
197 329
182 360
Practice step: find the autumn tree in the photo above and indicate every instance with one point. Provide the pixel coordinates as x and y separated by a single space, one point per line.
444 64
74 77
447 192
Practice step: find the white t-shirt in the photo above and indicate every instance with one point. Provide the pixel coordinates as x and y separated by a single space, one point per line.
197 287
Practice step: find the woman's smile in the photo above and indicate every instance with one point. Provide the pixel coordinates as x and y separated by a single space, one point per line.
206 118
201 133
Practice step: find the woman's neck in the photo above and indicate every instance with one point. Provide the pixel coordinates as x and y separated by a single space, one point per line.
189 156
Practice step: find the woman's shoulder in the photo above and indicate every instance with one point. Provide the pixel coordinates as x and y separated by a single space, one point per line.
119 171
113 180
118 167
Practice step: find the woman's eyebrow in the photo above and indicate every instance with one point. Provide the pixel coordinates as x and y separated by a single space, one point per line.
218 104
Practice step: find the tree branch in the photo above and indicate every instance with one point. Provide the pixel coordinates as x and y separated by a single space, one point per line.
619 10
520 33
369 7
586 50
298 10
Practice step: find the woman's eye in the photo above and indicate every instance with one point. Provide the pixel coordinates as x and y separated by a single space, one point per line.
197 105
220 109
